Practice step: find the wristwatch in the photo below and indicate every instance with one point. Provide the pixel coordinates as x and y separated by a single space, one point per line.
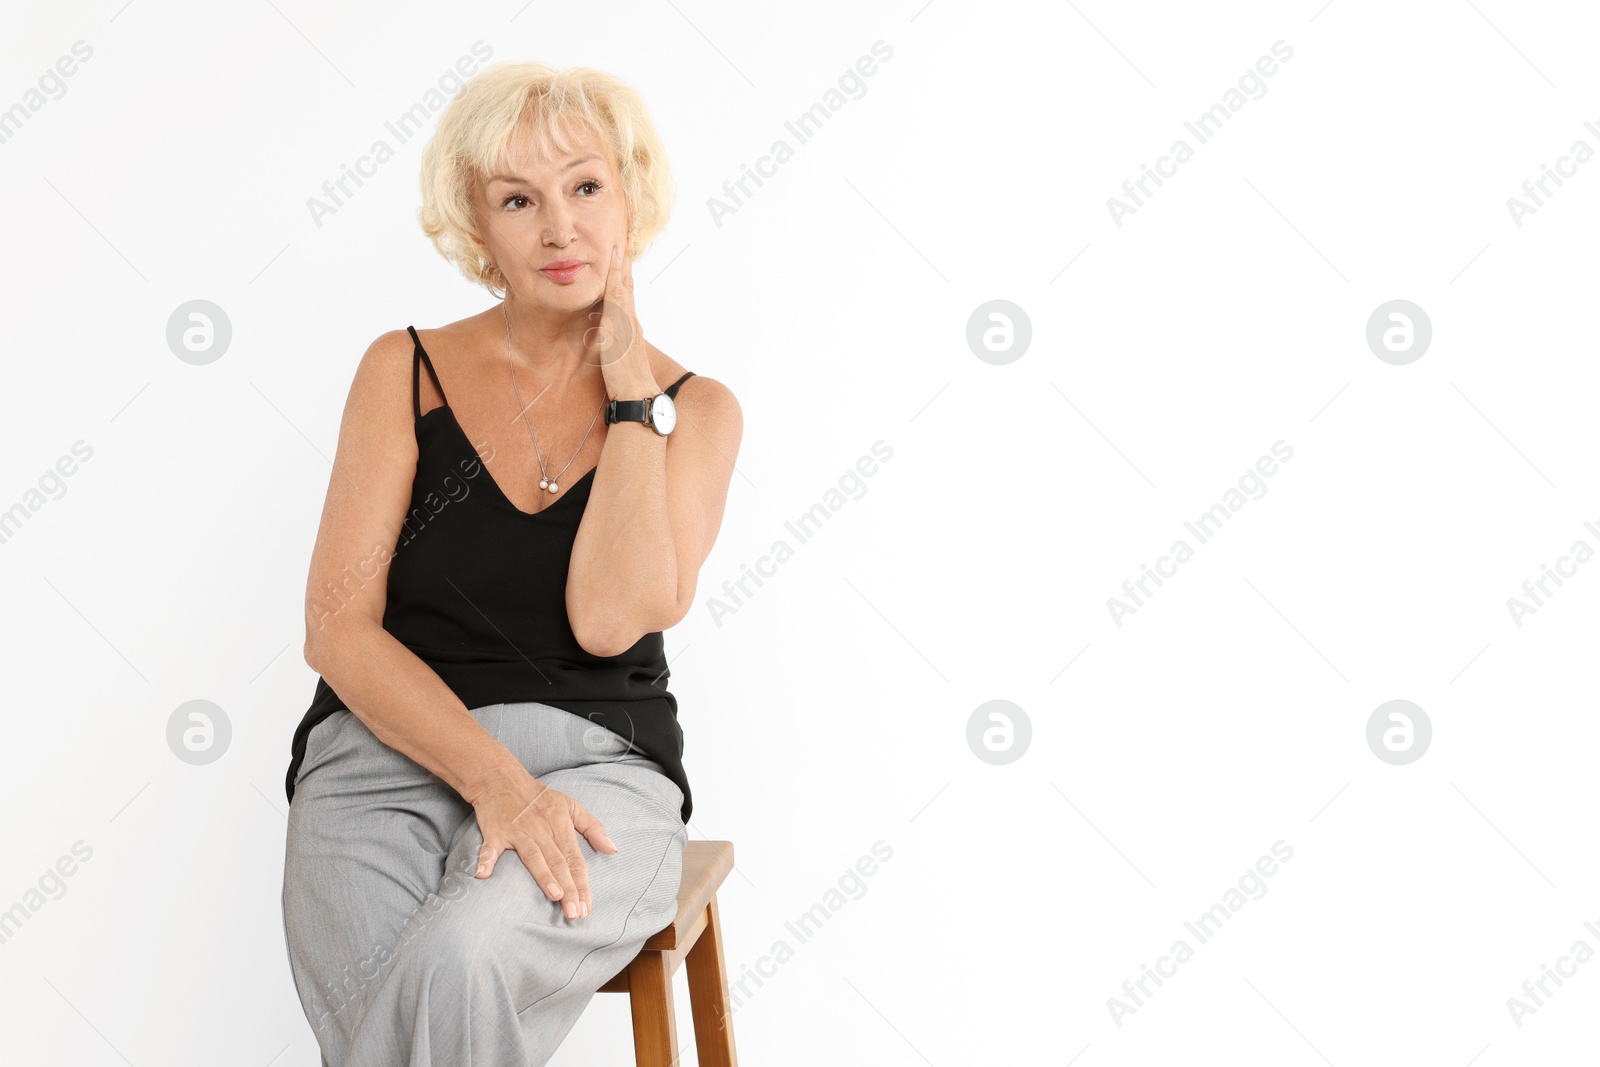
656 411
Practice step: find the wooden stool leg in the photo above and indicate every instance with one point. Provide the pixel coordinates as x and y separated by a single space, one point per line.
708 995
655 1027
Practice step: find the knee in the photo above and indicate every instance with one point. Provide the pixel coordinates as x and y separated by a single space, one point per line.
454 934
447 961
649 882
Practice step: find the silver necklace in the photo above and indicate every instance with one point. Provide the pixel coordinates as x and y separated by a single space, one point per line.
545 480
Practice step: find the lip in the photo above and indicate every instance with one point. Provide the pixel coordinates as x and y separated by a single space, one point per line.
563 270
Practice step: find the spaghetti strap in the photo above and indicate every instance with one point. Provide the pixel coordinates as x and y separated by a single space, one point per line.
672 390
419 356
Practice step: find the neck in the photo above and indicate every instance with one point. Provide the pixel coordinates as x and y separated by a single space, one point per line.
548 344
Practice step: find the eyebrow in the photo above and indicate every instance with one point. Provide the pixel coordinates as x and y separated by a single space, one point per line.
519 178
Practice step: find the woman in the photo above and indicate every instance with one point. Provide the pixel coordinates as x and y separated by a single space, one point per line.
485 609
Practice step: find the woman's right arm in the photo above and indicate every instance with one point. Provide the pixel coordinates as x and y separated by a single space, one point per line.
388 687
384 684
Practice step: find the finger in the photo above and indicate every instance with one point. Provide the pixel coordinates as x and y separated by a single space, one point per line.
605 318
571 892
593 829
488 855
532 858
622 293
594 832
569 872
626 282
560 871
580 877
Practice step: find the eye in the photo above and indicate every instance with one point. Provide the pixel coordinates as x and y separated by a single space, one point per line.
514 196
592 182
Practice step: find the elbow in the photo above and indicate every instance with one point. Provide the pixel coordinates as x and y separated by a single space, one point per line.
604 642
605 631
321 625
680 609
315 652
323 638
610 636
315 646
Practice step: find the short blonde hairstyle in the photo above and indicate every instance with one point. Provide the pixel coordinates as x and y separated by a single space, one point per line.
476 131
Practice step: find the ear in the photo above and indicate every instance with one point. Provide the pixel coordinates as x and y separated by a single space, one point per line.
483 251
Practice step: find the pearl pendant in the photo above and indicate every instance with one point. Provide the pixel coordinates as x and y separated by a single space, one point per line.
554 487
544 483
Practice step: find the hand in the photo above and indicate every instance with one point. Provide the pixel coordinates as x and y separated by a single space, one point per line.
520 813
616 341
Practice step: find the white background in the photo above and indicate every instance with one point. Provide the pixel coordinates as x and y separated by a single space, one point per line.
831 710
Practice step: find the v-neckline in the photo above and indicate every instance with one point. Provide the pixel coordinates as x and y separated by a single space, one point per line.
499 492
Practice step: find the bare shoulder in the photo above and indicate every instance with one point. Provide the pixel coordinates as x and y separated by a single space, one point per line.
369 489
391 346
711 397
383 375
706 400
453 347
698 391
710 428
377 424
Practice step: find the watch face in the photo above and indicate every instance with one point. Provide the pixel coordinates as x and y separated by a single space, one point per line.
663 414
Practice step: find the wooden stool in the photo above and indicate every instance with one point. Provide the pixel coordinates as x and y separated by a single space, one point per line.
695 935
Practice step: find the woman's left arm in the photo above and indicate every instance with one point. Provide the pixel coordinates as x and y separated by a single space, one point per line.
653 514
656 503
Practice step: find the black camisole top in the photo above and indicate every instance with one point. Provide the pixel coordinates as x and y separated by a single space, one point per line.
477 589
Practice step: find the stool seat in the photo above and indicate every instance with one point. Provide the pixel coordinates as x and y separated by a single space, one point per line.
694 937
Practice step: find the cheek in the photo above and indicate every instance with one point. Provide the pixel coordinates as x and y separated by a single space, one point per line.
506 236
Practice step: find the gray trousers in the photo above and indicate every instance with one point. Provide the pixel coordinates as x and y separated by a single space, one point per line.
402 958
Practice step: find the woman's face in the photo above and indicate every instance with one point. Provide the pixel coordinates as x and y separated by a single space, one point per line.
536 212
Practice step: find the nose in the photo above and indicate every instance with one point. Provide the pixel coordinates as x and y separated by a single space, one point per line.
558 230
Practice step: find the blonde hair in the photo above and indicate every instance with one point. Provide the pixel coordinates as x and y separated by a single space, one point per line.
477 128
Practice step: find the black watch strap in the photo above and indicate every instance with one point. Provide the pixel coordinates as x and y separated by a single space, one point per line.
627 411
